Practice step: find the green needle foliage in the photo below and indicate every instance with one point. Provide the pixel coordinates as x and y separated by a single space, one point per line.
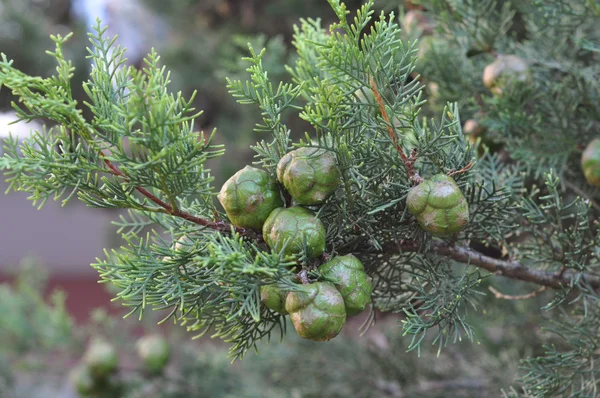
357 85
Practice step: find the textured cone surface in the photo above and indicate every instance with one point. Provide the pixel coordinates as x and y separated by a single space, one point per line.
295 225
348 276
504 66
317 311
154 351
273 298
439 206
590 162
249 196
310 175
101 358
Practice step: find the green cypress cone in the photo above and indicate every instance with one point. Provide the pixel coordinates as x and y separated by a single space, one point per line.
273 298
590 162
310 175
439 206
317 311
295 225
348 276
101 359
154 351
249 196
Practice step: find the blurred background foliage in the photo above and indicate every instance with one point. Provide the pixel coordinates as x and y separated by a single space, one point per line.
41 347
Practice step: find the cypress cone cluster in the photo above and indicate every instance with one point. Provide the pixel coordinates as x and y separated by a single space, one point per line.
252 199
96 373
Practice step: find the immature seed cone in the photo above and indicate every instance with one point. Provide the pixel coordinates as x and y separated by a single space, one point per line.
310 175
273 297
415 21
590 162
439 206
317 311
154 351
504 66
294 226
348 276
181 244
82 380
249 196
473 130
101 358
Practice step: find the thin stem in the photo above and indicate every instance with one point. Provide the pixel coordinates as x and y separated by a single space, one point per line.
500 295
216 225
512 269
409 162
463 170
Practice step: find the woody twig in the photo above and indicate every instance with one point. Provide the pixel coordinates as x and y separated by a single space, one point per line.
409 161
463 170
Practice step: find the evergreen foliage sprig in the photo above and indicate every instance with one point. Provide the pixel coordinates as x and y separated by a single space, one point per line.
356 86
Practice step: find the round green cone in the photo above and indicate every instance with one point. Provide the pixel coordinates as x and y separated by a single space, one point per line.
590 162
154 351
310 175
273 298
101 358
295 225
249 196
317 311
439 206
348 276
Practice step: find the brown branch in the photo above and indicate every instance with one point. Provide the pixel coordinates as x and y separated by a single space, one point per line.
216 225
500 295
509 269
463 170
409 162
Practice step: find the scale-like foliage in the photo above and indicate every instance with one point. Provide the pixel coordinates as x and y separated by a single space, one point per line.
357 86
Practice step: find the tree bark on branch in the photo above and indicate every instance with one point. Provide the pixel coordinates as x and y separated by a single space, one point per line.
509 269
219 226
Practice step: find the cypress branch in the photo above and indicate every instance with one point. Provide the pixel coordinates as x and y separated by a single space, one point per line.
508 269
